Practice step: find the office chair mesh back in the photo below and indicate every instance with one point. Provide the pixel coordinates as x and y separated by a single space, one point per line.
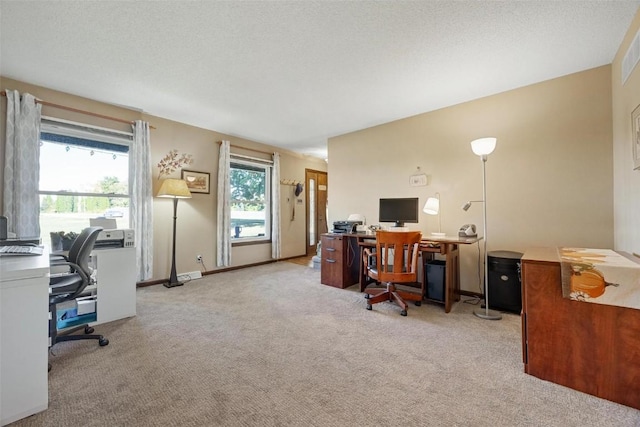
78 253
70 286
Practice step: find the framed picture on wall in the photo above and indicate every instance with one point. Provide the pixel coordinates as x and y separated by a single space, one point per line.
635 136
198 182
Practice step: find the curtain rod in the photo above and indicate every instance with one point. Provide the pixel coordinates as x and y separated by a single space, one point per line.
255 159
247 148
75 110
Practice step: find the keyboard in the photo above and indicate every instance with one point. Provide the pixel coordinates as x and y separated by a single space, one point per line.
20 250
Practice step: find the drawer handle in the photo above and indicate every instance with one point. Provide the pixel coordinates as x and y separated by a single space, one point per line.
330 250
330 260
330 238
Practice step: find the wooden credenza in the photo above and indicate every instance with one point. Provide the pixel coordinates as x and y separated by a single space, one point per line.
340 265
593 348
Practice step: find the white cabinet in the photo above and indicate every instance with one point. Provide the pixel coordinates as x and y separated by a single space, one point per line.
24 319
115 274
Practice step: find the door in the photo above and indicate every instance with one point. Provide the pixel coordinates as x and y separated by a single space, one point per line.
316 189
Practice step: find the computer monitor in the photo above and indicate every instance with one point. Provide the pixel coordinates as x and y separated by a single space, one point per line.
399 210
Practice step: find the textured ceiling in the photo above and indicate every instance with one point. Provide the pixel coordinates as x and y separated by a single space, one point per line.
294 73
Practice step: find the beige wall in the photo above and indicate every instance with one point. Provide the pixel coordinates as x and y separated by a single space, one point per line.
196 225
626 181
549 181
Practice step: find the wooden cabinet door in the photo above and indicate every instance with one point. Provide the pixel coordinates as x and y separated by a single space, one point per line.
589 347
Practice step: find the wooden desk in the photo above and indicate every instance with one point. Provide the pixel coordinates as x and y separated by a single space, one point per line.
429 246
593 348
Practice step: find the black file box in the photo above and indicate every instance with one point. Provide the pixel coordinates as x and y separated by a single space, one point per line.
505 288
434 276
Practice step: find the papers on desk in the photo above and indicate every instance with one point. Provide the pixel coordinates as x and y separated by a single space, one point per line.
600 276
20 250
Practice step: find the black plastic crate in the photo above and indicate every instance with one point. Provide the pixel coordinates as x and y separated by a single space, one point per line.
505 289
434 276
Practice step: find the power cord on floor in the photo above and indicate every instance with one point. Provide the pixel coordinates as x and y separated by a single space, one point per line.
472 301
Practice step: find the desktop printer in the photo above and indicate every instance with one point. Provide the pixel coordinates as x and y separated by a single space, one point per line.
119 238
345 226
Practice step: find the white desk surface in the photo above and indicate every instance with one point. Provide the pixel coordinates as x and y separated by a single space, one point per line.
16 267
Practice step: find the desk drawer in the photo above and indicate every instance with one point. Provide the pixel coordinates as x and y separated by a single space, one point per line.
332 244
332 263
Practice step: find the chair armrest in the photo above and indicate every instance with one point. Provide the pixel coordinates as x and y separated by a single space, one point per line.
73 269
366 253
71 284
369 257
58 259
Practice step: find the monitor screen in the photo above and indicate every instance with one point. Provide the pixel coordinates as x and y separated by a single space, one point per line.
399 210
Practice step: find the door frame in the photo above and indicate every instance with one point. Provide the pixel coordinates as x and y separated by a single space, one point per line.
319 229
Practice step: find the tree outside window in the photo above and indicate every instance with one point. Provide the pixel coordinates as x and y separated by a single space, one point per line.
250 205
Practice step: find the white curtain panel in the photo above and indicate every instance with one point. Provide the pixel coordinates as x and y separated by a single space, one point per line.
224 206
22 165
275 207
141 191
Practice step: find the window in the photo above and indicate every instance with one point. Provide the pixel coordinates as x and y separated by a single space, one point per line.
84 173
250 182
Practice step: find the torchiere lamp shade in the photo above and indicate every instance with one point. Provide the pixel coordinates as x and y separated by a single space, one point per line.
174 188
483 146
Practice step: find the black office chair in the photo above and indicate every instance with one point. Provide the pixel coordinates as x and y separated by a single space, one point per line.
71 284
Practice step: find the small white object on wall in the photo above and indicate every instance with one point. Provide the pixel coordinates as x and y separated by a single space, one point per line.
418 179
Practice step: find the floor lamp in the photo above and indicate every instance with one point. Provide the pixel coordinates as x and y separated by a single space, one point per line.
483 147
174 189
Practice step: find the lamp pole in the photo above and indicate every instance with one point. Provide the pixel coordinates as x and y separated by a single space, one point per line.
174 189
486 313
439 216
173 278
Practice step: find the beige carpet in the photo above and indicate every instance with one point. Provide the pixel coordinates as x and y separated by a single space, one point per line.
271 346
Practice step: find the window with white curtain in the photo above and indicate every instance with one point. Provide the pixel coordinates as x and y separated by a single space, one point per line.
84 173
250 182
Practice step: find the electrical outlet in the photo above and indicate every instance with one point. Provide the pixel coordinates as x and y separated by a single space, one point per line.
199 259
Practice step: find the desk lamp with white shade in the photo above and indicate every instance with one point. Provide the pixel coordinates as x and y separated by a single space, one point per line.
432 207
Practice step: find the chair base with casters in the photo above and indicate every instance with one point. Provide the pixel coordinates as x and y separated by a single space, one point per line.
57 337
392 294
66 335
